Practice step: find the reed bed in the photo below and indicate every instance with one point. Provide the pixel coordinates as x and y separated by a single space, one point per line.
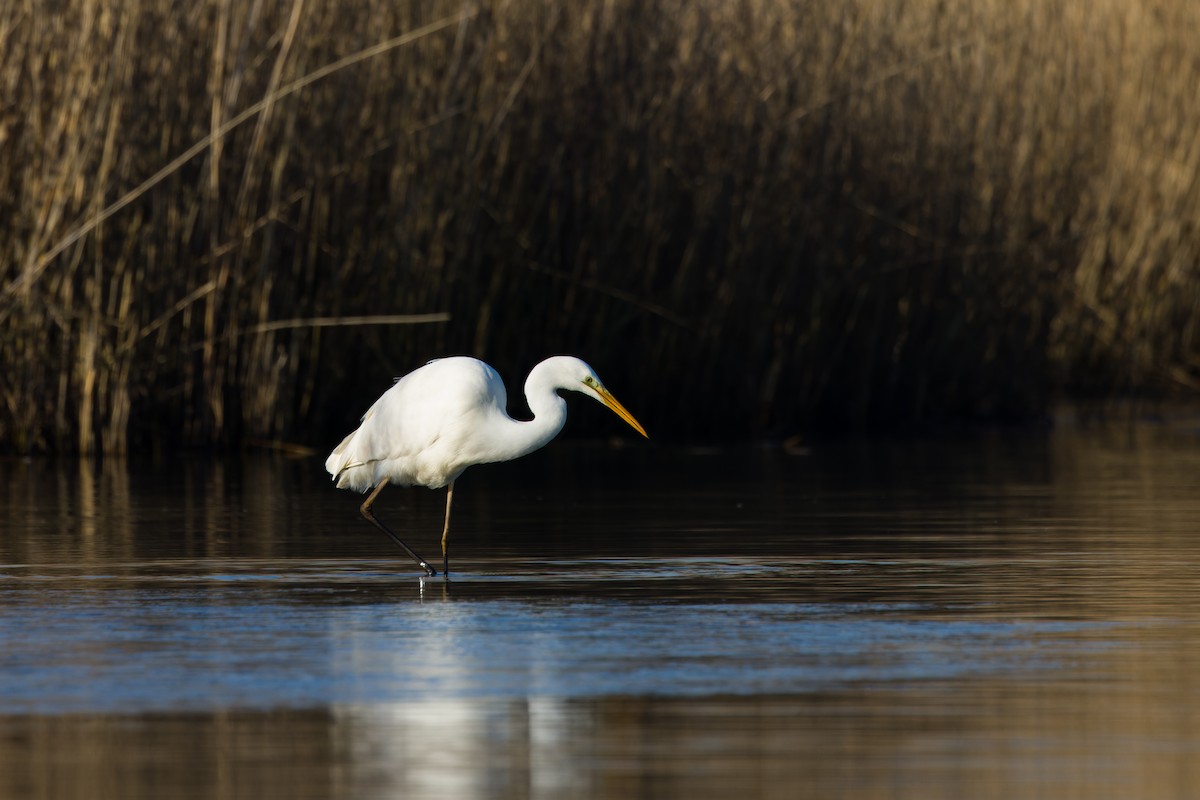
752 217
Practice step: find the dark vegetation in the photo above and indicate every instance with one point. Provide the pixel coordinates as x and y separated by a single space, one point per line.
753 218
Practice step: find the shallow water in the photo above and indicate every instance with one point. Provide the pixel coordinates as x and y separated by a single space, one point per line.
1009 615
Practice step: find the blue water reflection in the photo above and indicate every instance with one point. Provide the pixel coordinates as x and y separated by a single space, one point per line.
1002 616
255 640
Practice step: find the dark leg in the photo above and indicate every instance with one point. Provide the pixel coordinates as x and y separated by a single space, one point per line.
365 510
446 530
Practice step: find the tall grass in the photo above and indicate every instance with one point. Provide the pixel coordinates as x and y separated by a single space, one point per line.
751 217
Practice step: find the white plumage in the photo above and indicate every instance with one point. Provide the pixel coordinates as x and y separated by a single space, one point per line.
419 432
449 414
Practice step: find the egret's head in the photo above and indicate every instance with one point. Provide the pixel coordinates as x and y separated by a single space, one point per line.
574 374
592 387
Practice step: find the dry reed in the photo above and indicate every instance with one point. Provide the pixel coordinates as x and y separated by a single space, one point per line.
756 216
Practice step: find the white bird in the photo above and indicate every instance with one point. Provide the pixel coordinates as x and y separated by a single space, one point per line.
440 419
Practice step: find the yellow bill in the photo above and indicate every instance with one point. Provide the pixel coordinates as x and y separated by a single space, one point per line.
610 401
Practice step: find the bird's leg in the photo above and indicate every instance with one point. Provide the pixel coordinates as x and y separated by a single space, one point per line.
365 510
446 531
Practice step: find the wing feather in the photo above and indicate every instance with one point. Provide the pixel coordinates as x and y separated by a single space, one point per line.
417 432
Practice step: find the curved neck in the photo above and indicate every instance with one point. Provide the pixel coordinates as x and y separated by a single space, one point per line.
549 413
519 438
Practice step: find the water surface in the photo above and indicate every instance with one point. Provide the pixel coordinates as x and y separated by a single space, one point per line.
1005 615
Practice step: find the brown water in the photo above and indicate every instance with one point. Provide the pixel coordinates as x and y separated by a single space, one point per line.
1006 616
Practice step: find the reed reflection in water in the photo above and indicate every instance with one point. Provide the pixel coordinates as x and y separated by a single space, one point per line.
1004 616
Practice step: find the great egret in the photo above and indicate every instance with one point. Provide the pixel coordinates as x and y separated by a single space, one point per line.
449 414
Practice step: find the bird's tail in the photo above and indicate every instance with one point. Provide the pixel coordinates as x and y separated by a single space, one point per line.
338 458
345 467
